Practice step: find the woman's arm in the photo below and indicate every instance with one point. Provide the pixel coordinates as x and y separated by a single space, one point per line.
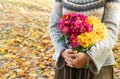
101 50
55 33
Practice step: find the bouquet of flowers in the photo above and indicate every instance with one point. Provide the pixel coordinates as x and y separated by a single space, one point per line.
81 31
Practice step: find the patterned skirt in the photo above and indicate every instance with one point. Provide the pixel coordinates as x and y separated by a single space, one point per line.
83 73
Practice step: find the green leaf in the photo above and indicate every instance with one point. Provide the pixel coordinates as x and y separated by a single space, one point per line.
61 39
82 49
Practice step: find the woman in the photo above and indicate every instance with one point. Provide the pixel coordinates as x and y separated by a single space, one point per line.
99 59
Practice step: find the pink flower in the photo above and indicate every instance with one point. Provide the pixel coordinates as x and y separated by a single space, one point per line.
73 41
63 29
86 27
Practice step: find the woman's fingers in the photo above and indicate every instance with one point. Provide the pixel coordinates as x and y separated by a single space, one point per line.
68 62
72 55
74 59
80 60
68 58
70 65
69 55
68 51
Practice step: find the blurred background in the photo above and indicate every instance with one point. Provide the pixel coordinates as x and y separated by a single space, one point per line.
25 46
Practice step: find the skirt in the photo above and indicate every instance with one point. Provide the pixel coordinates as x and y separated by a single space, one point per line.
83 73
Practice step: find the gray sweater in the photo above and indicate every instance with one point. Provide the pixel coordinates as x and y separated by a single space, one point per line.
109 13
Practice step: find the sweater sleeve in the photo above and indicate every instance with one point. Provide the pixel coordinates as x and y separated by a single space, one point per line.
101 50
55 33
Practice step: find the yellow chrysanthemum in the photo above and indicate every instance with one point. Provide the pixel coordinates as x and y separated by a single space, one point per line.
99 32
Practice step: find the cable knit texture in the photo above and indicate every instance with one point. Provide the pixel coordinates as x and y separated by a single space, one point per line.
109 13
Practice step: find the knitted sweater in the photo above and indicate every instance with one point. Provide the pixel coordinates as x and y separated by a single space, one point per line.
109 13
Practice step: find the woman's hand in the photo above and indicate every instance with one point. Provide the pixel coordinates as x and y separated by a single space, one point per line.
74 59
69 55
80 60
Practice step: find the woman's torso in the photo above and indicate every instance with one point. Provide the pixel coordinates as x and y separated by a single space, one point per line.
88 7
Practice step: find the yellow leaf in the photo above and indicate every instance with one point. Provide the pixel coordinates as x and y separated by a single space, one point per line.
20 61
10 64
3 71
3 50
10 56
20 73
12 75
41 65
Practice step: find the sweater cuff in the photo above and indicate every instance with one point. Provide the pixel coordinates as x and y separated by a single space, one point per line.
94 66
60 63
97 61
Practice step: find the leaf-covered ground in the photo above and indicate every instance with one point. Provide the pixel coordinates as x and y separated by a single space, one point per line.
25 46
